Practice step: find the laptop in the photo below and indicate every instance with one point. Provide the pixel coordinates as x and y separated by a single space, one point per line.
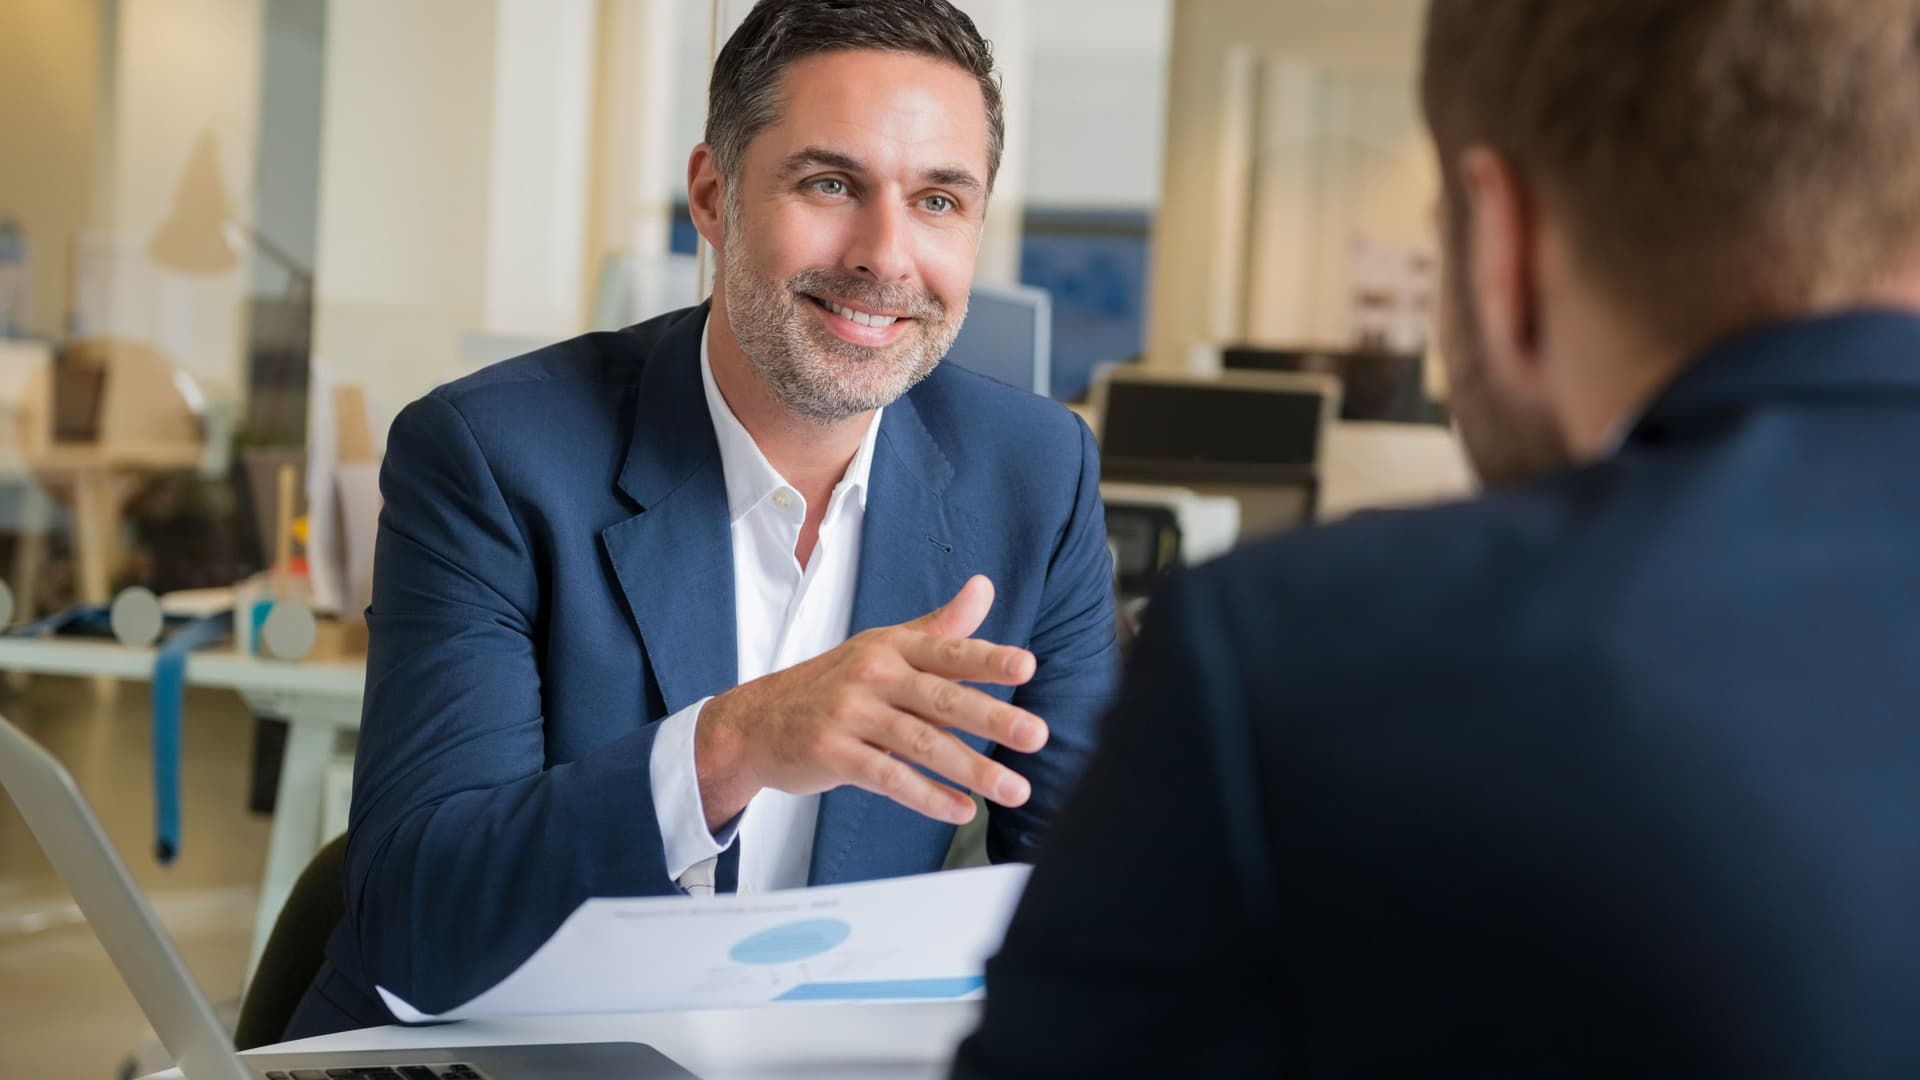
70 834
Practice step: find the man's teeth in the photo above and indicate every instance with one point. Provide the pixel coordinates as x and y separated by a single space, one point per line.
860 317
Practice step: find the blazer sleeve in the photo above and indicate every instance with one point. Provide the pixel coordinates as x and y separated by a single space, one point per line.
466 847
1077 667
1126 955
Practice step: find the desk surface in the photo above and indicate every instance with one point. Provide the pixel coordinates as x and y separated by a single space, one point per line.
332 672
836 1040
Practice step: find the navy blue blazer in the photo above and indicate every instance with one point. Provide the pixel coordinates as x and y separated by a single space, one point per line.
1614 775
554 575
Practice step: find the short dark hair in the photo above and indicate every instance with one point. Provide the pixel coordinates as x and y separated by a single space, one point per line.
743 97
1718 162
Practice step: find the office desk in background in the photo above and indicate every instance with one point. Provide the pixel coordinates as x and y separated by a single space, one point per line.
127 413
319 698
827 1042
101 478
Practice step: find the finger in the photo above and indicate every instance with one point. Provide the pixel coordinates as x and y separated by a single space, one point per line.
967 659
948 704
963 614
918 742
889 777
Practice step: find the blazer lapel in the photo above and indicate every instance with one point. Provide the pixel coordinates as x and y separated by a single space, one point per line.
913 558
674 559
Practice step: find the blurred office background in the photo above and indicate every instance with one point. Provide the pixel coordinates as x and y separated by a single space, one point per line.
237 235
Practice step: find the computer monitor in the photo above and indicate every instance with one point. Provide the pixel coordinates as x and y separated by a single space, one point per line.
1239 427
1254 435
1374 385
1008 336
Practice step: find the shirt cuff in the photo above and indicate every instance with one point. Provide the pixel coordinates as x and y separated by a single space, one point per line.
676 795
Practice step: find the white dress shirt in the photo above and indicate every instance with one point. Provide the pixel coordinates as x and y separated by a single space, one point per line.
783 615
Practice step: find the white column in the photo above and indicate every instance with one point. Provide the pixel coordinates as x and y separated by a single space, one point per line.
639 159
543 76
1280 244
456 177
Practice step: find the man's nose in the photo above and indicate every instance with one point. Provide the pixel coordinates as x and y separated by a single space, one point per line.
879 250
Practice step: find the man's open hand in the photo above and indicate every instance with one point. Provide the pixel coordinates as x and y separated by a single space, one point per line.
867 712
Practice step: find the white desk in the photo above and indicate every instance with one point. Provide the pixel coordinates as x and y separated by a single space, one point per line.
842 1042
318 698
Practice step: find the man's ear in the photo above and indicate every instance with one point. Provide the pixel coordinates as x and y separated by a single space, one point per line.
1503 236
706 197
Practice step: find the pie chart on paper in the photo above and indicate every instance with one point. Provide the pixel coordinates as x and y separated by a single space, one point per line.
790 943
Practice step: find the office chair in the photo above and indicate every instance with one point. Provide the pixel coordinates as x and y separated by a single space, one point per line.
296 948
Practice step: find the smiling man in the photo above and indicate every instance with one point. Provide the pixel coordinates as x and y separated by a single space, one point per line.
754 595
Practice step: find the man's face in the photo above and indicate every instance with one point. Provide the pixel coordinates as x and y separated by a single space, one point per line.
851 233
1509 438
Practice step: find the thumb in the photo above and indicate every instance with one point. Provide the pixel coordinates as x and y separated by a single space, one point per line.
963 614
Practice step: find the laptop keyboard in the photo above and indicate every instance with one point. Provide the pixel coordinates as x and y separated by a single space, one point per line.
456 1071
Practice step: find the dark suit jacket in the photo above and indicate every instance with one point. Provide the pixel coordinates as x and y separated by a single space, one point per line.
554 575
1616 775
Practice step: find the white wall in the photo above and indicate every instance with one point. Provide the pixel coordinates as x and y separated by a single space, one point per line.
50 79
401 257
638 160
186 74
1341 155
543 82
1360 138
458 180
1095 129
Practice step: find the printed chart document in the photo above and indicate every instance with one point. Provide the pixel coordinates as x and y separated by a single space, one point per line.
905 939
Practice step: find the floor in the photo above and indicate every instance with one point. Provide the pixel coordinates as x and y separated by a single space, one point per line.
63 1011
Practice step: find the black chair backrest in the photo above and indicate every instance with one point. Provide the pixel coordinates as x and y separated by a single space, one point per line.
296 949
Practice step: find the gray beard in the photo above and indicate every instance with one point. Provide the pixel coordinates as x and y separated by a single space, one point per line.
816 375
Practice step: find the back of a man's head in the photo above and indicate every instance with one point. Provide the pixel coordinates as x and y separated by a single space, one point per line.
1716 163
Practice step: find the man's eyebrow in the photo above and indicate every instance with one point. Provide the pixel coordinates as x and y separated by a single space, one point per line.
814 157
954 176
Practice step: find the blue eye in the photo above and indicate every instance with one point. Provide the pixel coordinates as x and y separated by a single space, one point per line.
939 204
828 185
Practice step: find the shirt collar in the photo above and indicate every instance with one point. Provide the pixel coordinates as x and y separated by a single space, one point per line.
751 479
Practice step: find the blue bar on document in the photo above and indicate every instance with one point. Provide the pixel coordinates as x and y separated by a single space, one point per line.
887 990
